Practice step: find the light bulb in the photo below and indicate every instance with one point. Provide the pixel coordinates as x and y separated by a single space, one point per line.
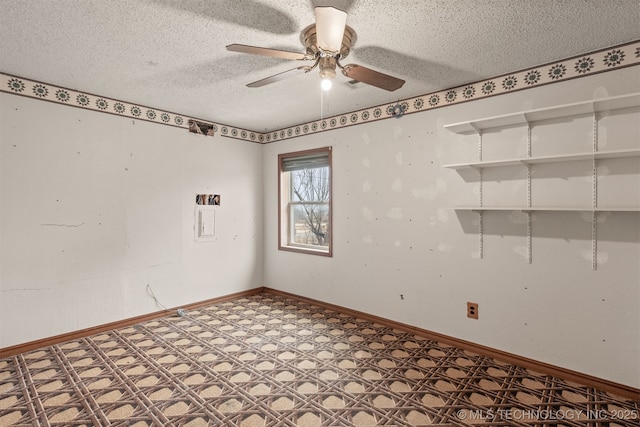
326 84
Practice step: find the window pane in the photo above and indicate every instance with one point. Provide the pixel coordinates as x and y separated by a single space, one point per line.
310 224
310 185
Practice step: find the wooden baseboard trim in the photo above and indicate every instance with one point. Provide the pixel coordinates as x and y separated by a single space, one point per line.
69 336
564 373
545 368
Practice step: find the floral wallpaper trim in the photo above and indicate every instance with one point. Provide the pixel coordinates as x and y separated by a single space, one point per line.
61 95
579 66
604 60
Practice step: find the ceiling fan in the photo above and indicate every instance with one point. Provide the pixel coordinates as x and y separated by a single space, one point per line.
327 42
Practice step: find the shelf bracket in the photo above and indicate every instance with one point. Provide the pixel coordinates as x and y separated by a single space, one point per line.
594 240
528 165
595 163
529 231
480 216
595 132
529 235
528 185
594 201
528 139
480 234
529 238
479 169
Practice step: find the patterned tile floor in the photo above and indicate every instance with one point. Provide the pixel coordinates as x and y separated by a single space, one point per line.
267 360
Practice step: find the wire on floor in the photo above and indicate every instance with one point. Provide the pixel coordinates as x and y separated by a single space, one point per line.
181 312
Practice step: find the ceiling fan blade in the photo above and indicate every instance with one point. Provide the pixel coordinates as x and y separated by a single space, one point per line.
275 53
280 76
330 23
371 77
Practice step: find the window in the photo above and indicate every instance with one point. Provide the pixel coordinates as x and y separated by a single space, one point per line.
305 201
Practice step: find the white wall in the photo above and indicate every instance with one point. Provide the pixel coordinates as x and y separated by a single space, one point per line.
394 235
94 207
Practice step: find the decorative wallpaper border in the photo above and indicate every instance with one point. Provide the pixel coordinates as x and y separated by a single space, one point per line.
61 95
604 60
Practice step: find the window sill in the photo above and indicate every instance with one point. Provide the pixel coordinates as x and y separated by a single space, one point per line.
306 250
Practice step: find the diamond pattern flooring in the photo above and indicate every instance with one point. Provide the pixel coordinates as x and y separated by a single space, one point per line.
267 360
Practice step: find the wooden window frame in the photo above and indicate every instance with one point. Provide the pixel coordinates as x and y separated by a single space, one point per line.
284 203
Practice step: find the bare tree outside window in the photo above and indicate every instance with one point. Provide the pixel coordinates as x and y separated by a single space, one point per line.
310 206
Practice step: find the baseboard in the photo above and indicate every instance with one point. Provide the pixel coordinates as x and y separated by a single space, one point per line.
545 368
69 336
564 373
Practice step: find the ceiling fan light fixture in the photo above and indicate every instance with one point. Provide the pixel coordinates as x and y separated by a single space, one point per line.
330 24
327 71
327 66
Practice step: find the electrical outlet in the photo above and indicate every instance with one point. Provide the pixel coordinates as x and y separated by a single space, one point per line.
472 310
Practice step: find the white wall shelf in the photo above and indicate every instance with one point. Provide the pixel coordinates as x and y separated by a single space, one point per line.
548 208
612 154
522 118
527 118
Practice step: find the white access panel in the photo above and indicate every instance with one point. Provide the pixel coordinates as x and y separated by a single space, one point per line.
205 223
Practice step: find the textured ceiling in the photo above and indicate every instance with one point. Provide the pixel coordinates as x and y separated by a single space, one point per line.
170 54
